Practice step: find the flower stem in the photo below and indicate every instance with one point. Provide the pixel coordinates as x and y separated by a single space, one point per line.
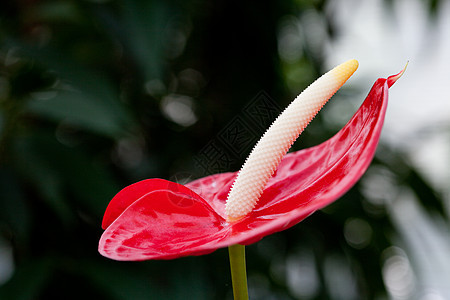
238 272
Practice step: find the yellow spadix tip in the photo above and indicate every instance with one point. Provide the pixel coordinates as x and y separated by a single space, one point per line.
343 72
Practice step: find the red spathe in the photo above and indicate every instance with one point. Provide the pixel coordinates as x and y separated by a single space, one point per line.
159 219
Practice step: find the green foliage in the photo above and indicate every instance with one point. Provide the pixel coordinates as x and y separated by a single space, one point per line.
90 97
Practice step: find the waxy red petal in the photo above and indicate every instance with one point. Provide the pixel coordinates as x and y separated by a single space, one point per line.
161 224
144 223
133 192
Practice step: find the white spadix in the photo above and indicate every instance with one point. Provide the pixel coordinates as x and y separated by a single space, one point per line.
276 141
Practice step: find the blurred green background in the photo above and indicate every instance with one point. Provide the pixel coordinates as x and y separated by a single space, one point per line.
98 94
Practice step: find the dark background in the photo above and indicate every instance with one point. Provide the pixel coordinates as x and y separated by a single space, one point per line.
95 95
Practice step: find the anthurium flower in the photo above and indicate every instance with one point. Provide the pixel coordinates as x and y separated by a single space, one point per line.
159 219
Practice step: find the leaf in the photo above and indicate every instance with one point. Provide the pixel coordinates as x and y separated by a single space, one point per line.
62 175
83 98
83 111
143 35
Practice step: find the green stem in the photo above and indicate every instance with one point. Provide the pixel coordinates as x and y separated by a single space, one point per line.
238 272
